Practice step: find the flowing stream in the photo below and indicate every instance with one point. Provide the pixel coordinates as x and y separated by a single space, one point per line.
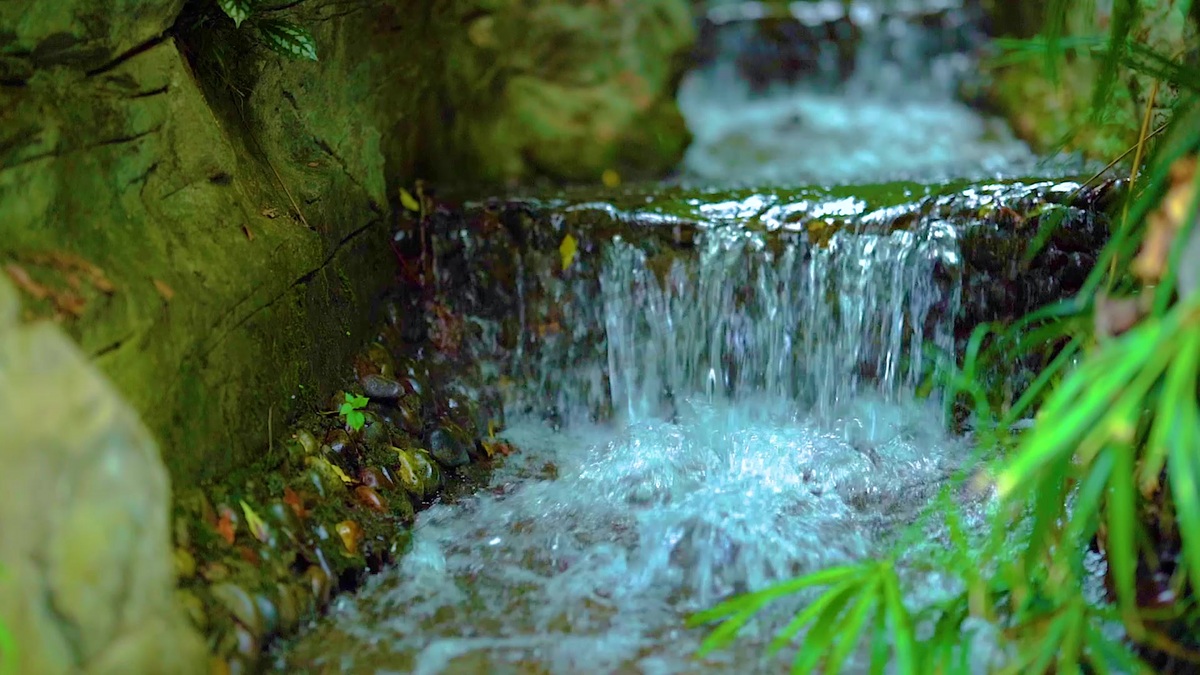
767 427
766 421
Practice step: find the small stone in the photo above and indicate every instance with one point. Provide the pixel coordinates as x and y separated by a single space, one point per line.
378 386
447 449
239 603
307 441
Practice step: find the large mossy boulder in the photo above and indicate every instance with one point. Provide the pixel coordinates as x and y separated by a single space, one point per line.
209 220
566 89
88 583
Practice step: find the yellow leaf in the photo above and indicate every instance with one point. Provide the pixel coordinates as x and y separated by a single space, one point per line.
409 201
406 471
610 178
255 523
340 474
567 249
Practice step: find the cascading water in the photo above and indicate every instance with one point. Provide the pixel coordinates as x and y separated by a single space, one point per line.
837 91
762 389
766 428
806 322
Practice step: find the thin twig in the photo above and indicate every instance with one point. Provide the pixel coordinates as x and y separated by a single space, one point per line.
1111 164
286 191
1133 171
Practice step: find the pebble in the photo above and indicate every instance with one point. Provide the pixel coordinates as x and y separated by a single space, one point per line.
381 387
447 449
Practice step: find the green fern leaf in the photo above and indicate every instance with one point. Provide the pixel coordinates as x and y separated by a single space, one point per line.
238 10
288 39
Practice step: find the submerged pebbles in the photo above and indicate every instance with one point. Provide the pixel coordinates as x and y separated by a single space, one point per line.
267 549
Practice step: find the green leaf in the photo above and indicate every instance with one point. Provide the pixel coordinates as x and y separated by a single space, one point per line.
904 641
1178 389
356 402
736 604
1087 500
849 632
255 523
1183 468
288 39
820 636
809 613
356 419
1107 655
728 629
238 10
1122 547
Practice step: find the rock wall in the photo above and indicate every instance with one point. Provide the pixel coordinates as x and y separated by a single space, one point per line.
208 219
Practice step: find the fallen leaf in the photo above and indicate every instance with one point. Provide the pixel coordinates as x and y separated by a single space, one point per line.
164 290
26 283
227 524
1165 222
246 231
70 303
249 555
567 249
313 165
1114 316
256 525
294 501
270 212
408 201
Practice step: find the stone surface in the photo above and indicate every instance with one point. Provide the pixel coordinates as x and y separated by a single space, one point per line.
86 33
448 448
216 297
84 499
208 219
565 89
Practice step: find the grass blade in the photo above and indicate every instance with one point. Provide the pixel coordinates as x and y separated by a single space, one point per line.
808 614
825 628
904 641
736 604
1122 546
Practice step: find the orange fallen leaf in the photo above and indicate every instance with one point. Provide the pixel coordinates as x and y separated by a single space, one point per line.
227 524
69 303
25 282
164 290
1165 222
294 501
248 554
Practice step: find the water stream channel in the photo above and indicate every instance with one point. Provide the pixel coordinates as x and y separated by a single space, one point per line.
765 417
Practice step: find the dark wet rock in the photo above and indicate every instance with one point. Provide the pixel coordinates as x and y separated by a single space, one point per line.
337 440
490 410
381 387
450 446
408 415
